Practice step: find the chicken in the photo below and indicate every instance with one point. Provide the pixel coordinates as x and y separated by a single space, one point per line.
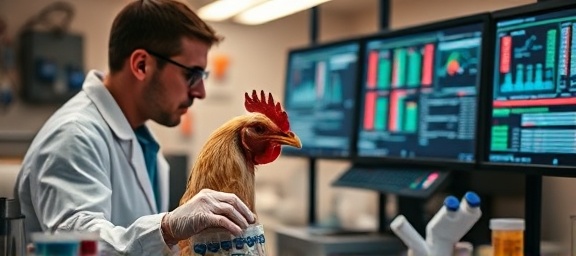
228 159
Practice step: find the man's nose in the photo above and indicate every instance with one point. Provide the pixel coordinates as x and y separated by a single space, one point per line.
198 91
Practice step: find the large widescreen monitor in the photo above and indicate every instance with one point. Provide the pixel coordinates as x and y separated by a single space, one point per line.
420 94
320 92
532 115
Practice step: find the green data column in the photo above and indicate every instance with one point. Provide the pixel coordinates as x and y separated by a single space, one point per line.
384 70
550 68
381 114
411 119
337 89
399 67
414 68
499 138
550 48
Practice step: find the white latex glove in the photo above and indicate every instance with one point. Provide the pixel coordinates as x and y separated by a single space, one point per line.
207 209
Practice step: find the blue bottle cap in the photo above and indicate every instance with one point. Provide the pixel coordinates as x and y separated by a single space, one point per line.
213 247
472 198
451 203
239 242
200 249
226 245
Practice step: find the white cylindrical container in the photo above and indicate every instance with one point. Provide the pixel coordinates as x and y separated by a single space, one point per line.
406 232
452 222
439 229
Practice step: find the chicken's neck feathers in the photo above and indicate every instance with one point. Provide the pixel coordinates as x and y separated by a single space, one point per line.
221 166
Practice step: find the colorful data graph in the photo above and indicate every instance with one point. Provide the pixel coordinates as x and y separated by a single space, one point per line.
408 67
321 85
328 84
403 113
533 79
527 65
394 112
375 112
453 66
459 62
379 66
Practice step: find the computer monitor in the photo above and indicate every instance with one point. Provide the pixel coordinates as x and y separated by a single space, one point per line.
320 93
532 115
420 94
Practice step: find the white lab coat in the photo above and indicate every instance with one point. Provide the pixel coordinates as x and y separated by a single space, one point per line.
85 171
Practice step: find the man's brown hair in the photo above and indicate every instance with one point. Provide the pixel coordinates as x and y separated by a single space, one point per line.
156 25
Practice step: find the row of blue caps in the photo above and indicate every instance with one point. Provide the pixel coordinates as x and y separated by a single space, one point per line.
202 248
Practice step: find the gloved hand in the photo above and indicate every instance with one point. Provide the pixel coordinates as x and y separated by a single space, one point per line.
207 209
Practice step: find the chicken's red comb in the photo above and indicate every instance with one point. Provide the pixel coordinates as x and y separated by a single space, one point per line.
270 109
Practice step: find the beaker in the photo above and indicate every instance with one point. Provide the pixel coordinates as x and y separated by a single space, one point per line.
56 244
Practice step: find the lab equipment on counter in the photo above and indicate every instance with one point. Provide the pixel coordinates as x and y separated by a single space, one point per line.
12 236
507 237
89 243
67 244
55 244
444 230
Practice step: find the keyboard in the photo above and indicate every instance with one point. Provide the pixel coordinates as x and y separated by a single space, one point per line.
419 183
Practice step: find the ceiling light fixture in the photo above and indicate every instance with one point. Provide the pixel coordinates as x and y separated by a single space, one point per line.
274 9
223 9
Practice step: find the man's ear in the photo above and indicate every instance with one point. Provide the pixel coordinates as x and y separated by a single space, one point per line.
138 63
142 66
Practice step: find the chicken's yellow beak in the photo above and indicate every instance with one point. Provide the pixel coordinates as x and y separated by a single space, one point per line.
289 139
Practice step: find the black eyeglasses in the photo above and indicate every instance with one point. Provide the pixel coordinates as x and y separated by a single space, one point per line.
194 74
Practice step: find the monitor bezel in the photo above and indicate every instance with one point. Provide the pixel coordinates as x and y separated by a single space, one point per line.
538 8
480 18
319 46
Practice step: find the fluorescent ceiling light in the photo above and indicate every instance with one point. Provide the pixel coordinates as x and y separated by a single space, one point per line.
274 9
223 9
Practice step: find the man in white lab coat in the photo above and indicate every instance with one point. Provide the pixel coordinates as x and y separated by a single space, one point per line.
94 165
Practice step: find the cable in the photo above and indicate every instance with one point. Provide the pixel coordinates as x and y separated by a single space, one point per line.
46 18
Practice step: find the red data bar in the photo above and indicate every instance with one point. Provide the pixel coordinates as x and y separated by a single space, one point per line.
372 69
369 108
530 103
505 53
428 65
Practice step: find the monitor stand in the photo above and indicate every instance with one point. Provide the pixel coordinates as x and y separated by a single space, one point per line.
316 240
299 241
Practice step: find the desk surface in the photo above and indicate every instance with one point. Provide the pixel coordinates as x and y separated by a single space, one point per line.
300 241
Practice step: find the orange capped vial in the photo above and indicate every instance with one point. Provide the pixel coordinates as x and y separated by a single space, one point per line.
507 237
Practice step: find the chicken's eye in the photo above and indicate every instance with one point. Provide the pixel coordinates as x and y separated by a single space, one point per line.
259 129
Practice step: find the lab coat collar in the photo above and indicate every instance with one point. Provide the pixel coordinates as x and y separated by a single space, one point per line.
109 109
112 114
